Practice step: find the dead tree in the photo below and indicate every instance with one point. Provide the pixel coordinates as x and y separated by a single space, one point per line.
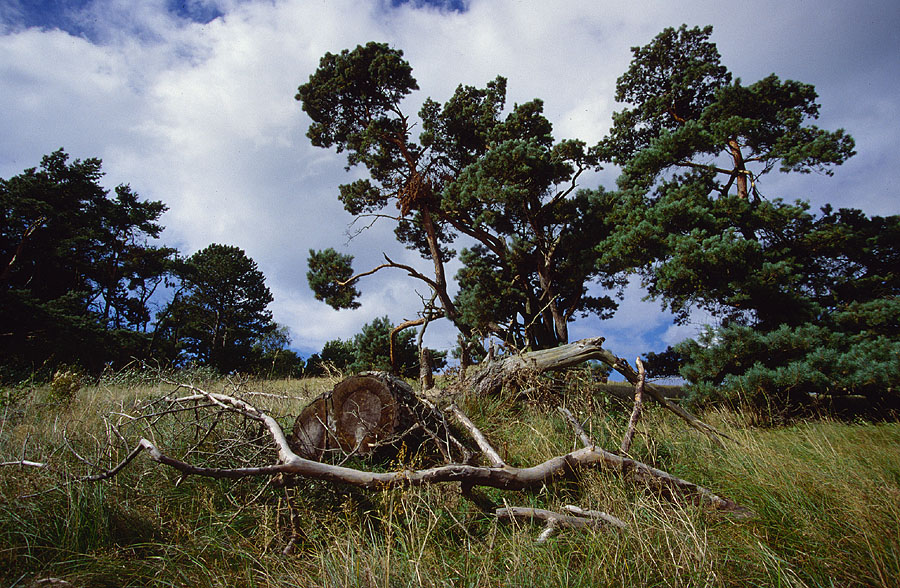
286 461
364 413
496 374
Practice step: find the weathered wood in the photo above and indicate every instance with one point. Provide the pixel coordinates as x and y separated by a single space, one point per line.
359 414
579 520
625 447
310 438
491 378
288 462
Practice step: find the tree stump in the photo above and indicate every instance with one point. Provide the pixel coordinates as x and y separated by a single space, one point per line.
360 414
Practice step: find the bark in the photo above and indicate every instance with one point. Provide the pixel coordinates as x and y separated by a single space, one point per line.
360 414
426 369
492 378
740 169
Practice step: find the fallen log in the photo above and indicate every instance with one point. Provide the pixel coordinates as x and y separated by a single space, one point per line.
493 376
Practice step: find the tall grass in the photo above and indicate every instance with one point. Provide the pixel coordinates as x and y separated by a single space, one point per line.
826 495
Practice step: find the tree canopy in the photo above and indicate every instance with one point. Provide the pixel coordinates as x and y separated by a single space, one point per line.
221 310
499 179
801 296
77 265
82 276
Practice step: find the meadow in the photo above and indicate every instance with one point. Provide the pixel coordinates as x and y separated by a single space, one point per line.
826 497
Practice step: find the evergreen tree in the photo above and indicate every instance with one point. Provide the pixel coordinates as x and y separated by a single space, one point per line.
502 181
370 350
785 283
77 267
221 311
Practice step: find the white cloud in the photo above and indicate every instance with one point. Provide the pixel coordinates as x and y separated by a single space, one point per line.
202 116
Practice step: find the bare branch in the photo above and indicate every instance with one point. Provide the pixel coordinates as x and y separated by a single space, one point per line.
478 436
555 520
24 463
636 412
596 514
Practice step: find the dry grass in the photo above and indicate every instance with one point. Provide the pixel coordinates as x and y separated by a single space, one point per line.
827 496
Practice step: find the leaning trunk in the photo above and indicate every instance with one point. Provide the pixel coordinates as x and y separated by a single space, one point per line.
491 378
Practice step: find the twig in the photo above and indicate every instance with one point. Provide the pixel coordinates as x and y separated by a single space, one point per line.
25 462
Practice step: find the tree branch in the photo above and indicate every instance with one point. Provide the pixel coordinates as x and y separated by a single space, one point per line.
478 436
636 412
498 475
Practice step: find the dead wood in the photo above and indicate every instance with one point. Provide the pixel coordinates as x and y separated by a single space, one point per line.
491 378
636 411
363 413
553 521
501 476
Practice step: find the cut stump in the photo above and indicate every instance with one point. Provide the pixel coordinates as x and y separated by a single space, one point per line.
360 414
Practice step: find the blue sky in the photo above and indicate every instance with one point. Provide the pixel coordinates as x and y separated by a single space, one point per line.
192 102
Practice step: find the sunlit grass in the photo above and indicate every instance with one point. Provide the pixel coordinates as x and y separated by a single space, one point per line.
826 494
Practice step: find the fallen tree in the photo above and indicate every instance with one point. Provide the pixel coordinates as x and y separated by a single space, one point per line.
286 462
510 370
375 410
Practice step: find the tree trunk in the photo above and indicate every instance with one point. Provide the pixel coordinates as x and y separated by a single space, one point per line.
491 378
740 168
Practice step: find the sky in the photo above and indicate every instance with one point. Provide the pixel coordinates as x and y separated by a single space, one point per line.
192 102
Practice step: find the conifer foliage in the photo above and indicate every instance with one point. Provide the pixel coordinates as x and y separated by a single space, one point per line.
806 301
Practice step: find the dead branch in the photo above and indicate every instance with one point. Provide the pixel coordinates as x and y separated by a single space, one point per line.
498 475
595 514
395 369
492 377
478 437
636 412
654 477
574 521
553 521
586 440
24 463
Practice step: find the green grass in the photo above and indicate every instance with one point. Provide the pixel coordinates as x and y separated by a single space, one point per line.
826 494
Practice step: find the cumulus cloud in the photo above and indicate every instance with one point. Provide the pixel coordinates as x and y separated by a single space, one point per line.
196 107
